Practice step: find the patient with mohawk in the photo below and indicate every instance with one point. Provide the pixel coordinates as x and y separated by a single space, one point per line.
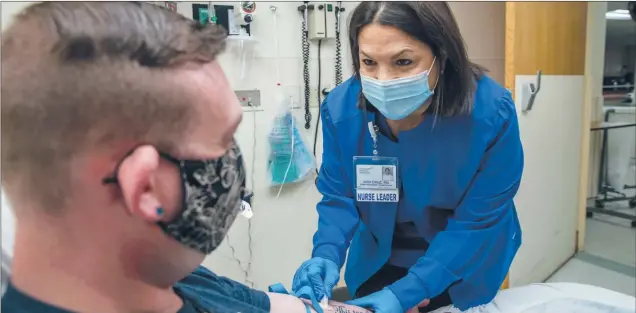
118 158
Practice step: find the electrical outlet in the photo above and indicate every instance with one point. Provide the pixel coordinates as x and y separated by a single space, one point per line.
249 98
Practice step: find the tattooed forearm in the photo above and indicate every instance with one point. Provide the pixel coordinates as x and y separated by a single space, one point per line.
342 309
339 307
291 304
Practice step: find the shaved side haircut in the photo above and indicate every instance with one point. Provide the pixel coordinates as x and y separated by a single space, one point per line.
78 76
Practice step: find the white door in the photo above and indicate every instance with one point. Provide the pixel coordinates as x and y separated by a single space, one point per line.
547 36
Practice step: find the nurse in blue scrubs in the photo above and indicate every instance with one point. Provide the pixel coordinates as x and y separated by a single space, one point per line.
421 162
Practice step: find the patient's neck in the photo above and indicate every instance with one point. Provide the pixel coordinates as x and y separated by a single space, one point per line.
81 275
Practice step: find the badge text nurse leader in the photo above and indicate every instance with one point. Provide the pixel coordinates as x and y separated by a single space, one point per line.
377 196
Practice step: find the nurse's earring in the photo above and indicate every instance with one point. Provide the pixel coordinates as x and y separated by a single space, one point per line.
159 212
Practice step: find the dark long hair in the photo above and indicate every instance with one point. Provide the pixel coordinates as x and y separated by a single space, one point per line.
432 23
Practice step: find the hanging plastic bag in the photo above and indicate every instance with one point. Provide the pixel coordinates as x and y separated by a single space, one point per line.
289 159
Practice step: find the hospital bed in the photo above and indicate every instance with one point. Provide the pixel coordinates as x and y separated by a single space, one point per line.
544 298
555 298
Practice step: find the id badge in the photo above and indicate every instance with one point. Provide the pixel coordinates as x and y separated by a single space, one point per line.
376 179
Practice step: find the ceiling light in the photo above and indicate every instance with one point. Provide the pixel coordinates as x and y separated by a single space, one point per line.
618 15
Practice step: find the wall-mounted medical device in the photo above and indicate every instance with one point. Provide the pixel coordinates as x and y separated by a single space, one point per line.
321 20
236 19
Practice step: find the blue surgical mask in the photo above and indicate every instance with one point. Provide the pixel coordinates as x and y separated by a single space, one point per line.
398 98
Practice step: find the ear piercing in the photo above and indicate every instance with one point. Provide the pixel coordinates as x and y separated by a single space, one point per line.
159 212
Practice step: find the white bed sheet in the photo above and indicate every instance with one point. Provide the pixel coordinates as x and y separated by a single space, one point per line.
555 298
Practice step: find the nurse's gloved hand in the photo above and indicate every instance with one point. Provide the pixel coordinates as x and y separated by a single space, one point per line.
320 274
383 301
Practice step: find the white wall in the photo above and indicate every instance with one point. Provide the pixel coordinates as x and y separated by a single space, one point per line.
596 32
595 69
9 9
282 229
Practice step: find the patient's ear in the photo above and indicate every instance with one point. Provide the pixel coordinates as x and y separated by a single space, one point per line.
135 176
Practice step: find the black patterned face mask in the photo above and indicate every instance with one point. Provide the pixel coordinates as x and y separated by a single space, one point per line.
212 193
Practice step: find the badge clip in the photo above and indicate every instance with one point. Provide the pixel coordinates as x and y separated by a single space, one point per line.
373 131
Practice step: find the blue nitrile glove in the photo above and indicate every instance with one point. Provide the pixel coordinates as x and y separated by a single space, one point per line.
383 301
279 288
307 293
321 275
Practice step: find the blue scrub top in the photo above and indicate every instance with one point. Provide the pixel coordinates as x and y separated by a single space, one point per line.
202 291
459 176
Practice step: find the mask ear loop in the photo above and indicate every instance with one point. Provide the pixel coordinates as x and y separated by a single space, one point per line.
112 179
438 74
437 104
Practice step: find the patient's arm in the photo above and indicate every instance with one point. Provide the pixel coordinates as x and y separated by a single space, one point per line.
290 304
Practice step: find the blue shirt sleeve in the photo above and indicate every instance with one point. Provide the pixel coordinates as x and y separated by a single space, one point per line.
475 238
337 214
223 291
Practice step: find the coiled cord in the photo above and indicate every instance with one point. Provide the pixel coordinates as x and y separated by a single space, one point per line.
338 66
337 70
305 51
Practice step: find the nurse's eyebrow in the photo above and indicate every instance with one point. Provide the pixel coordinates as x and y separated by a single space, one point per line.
402 52
363 53
399 53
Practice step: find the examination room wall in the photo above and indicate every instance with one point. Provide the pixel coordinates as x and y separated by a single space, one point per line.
281 231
